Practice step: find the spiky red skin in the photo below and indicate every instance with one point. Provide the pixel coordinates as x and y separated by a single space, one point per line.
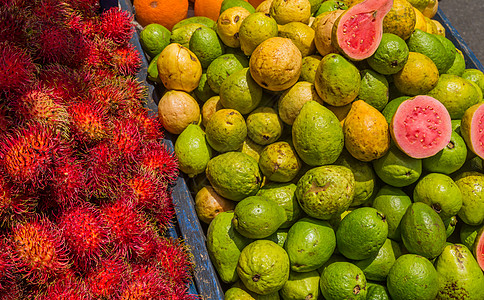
155 157
12 291
52 10
146 282
174 259
39 250
89 121
88 8
110 95
65 288
37 103
17 67
147 122
28 153
7 265
14 25
68 182
99 53
126 227
58 44
14 205
65 83
107 278
135 89
126 139
145 190
126 59
5 118
84 233
117 25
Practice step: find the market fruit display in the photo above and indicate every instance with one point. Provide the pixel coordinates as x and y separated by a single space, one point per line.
339 150
85 175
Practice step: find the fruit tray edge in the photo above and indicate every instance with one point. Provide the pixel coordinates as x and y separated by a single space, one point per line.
188 225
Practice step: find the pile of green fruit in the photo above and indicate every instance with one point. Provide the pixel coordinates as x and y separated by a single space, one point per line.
335 147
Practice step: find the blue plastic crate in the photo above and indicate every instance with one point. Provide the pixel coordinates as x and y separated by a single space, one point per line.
206 282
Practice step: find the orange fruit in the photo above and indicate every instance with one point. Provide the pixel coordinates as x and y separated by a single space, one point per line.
164 12
207 8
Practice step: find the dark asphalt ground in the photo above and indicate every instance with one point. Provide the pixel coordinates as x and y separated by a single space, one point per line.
467 16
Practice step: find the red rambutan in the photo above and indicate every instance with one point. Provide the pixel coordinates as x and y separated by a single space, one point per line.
110 95
13 291
68 182
14 206
40 104
146 282
135 90
101 165
174 260
149 124
39 250
64 82
156 158
107 278
126 139
65 288
125 226
88 121
88 8
126 60
54 11
117 25
5 118
145 190
98 53
84 233
16 67
7 264
62 45
14 25
28 153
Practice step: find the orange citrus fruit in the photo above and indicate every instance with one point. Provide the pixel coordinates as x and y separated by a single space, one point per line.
207 8
164 12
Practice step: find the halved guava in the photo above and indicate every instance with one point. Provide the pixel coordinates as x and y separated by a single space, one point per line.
358 31
421 126
472 128
479 248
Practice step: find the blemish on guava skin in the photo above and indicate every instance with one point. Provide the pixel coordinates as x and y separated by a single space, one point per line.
256 277
356 290
236 19
193 58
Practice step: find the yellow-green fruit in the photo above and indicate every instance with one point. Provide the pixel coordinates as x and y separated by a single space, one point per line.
301 35
343 280
337 80
292 100
308 68
419 4
255 29
228 25
264 125
206 45
251 148
154 38
366 132
224 245
400 20
195 20
303 285
208 204
418 76
179 68
192 150
176 110
264 7
183 34
317 135
224 66
263 267
279 162
209 108
471 185
286 11
276 64
226 130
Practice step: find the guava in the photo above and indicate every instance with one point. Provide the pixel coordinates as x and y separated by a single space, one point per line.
479 248
358 31
472 128
421 127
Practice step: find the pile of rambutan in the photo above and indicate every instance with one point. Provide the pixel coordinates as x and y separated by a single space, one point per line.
85 177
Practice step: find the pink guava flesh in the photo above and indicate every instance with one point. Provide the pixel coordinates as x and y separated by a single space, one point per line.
480 249
360 28
421 127
477 132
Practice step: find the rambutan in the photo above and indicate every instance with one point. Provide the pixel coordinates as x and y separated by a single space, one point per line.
65 288
109 94
64 82
13 291
117 25
39 104
88 8
60 44
145 190
16 67
107 278
134 89
126 60
126 138
39 250
7 264
149 124
101 165
84 233
145 283
68 182
28 154
125 226
156 158
174 260
99 53
54 11
14 25
14 205
89 121
5 118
